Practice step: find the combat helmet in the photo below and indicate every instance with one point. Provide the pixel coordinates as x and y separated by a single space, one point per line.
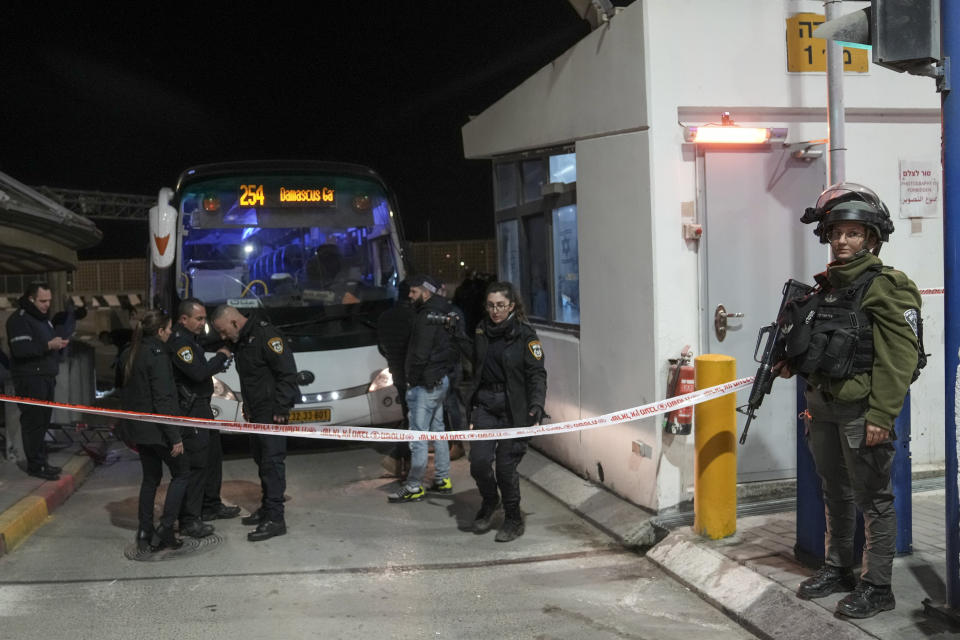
849 202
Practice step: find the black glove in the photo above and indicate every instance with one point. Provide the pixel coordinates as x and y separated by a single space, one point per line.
535 415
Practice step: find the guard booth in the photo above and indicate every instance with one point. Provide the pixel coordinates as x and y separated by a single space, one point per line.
39 239
628 240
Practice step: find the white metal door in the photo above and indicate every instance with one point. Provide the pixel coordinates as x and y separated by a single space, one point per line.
754 242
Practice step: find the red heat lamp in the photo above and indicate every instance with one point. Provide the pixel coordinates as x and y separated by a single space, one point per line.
727 132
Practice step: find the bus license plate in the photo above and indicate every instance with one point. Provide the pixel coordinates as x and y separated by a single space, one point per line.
310 415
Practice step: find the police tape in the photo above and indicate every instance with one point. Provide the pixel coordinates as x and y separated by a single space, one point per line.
931 292
375 434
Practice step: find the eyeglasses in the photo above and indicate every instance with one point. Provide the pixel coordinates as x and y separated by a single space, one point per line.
836 234
500 306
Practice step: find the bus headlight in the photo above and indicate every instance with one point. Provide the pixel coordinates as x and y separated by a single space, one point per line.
383 380
222 391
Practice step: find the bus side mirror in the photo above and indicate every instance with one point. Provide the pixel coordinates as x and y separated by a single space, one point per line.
163 228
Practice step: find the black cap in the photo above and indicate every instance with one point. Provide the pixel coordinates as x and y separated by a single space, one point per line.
424 281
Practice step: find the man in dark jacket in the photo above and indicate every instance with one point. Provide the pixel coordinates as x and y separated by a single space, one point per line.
194 378
454 416
35 360
393 336
268 383
429 361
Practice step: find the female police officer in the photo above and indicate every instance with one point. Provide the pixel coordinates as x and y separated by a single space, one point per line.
508 390
855 339
148 387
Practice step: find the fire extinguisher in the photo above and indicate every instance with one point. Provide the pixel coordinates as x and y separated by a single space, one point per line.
679 382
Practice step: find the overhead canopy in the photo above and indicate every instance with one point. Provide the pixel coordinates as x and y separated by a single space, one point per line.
37 234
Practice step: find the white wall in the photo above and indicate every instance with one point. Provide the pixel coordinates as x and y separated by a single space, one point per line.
621 94
595 88
734 58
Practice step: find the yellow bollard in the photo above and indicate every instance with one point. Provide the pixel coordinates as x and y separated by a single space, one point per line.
715 443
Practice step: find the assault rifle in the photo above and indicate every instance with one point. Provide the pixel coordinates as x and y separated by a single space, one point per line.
773 352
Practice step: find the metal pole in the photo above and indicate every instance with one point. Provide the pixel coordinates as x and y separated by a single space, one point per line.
836 132
950 45
901 476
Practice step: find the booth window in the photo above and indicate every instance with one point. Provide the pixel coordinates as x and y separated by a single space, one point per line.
508 241
536 214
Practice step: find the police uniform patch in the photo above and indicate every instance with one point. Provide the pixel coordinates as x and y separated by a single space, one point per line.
910 315
536 349
185 354
276 344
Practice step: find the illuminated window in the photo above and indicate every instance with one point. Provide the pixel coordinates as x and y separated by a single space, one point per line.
566 265
508 240
536 215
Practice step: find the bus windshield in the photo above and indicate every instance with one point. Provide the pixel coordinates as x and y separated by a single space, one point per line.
307 249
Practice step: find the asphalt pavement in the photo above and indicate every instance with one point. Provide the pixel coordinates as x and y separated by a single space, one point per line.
590 565
351 566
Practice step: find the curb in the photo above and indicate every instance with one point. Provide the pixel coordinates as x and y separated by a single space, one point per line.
21 520
759 604
29 514
629 524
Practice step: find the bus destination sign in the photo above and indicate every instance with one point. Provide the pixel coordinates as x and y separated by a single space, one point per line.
254 195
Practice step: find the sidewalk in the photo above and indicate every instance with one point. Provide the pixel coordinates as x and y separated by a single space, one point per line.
752 575
26 502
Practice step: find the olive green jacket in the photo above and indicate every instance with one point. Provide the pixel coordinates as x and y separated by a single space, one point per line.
889 300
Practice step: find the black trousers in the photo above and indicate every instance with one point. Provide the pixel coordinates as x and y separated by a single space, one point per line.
195 451
401 449
207 458
270 453
34 420
213 472
453 414
493 463
152 459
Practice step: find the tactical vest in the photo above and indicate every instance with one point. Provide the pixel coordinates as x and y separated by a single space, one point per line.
828 333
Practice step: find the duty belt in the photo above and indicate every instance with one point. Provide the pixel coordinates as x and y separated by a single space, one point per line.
495 387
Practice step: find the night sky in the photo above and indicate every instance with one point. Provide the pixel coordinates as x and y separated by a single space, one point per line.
122 98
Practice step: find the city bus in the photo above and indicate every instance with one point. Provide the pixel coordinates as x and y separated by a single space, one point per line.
312 247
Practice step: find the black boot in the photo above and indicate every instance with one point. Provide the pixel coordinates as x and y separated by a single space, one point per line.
196 529
221 512
866 601
254 518
144 538
484 518
266 530
513 526
828 579
43 472
165 538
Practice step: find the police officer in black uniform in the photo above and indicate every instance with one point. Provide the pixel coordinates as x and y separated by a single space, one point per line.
35 360
148 387
268 383
193 374
508 390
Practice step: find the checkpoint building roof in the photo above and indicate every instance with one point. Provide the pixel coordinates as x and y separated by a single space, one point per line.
37 234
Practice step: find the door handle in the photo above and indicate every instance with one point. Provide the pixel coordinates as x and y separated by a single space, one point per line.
720 321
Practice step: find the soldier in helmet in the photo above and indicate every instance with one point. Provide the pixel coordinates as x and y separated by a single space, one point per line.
857 340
